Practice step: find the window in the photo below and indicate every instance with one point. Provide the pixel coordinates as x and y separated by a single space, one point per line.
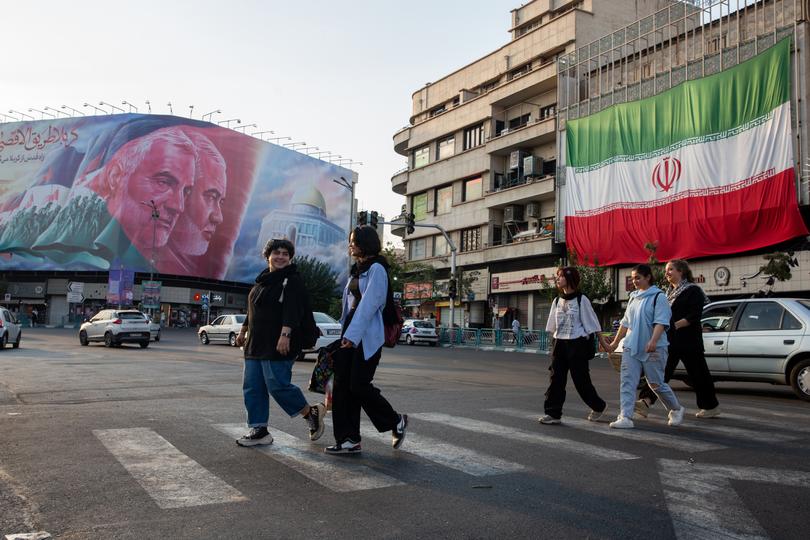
718 319
470 239
789 322
444 200
440 246
761 316
419 206
417 249
421 157
446 148
548 111
522 70
519 122
473 189
473 136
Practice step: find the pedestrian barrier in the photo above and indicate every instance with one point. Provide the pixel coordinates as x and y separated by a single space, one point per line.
495 338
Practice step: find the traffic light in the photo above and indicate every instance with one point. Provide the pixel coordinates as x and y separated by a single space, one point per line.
409 222
375 216
362 218
452 291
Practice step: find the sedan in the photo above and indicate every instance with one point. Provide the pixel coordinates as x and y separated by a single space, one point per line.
330 331
10 329
223 329
419 331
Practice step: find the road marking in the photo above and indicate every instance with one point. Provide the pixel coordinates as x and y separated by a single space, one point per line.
677 442
336 473
703 504
170 477
741 433
765 422
455 457
557 443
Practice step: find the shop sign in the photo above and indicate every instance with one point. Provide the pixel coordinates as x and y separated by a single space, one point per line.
524 280
416 290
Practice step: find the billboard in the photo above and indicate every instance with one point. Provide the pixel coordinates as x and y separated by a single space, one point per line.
127 190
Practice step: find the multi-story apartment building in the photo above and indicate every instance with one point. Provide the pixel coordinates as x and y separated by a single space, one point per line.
481 146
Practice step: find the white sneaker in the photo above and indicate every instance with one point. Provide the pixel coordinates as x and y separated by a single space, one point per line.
622 423
708 413
594 416
676 416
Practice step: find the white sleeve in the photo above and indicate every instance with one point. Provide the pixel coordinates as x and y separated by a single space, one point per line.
551 324
589 320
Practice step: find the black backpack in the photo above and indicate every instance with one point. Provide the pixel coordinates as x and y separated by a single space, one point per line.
308 333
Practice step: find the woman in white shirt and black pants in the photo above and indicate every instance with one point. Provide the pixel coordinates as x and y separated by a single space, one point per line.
571 322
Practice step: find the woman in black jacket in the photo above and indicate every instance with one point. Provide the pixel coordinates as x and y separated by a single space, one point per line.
685 341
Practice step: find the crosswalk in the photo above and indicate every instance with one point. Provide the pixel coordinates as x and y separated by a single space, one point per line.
174 480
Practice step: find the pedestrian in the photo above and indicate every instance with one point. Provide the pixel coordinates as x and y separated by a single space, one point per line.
644 324
571 322
271 339
364 298
34 317
515 327
685 341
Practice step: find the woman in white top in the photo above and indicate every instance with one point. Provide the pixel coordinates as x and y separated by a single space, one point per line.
571 322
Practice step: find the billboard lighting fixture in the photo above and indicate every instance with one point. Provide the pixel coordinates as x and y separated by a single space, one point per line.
43 113
57 111
149 104
319 154
7 116
278 139
210 114
307 149
294 144
130 105
260 133
170 107
191 111
228 122
245 126
102 111
74 111
111 106
21 114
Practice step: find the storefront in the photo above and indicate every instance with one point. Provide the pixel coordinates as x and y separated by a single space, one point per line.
517 295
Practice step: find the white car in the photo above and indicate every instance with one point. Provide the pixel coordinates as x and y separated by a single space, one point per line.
116 326
419 331
330 330
10 329
154 328
223 329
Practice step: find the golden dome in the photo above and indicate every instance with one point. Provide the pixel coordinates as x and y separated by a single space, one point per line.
311 196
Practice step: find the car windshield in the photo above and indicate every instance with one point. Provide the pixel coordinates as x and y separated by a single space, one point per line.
323 318
805 304
423 324
130 315
240 319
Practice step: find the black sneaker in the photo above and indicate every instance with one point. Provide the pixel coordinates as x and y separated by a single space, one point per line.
315 421
256 436
346 447
398 433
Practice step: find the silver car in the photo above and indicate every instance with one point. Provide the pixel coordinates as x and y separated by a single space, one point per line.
114 327
419 331
10 329
223 329
758 339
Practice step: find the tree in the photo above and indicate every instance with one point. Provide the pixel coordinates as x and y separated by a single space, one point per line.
594 280
777 269
320 280
659 277
396 266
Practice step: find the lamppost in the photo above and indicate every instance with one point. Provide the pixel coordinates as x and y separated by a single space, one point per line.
210 114
228 122
57 111
111 106
21 114
130 105
43 113
102 111
155 217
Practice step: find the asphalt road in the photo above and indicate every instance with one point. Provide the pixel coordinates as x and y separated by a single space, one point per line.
131 443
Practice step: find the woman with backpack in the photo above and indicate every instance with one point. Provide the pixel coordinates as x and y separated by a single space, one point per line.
571 322
365 297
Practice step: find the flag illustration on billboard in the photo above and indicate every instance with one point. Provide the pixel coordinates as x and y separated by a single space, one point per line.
703 169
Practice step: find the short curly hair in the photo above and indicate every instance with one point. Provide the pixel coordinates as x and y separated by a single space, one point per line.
278 243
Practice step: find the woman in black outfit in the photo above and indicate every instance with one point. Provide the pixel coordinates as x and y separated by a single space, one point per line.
685 341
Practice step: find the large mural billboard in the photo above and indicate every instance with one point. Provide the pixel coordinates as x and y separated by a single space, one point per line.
112 192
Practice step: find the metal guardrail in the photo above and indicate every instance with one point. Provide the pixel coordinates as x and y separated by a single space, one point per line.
485 338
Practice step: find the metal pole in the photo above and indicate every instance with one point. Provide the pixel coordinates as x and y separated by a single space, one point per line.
208 311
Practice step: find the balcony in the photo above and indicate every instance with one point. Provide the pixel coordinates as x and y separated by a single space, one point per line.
541 244
399 181
536 189
401 139
533 134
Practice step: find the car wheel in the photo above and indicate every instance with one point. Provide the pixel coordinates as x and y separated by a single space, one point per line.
157 337
108 339
3 341
83 338
800 379
204 338
409 340
17 343
143 344
232 340
432 343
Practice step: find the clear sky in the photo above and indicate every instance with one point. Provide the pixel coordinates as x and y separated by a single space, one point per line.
336 74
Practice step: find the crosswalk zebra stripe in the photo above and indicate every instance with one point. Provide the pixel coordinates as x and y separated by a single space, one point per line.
764 422
760 412
740 433
450 455
171 478
677 442
336 473
508 432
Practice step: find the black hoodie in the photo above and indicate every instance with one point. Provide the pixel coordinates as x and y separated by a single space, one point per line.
266 315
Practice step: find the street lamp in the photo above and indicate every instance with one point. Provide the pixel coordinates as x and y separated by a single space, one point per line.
155 217
130 105
228 122
21 114
111 106
245 126
96 108
210 114
57 111
74 111
43 113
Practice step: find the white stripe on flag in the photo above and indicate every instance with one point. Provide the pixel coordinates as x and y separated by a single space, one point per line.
170 477
336 473
677 442
508 432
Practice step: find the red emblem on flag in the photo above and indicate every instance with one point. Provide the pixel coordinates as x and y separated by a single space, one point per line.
666 173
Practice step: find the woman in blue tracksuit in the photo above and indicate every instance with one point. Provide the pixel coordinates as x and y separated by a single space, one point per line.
364 298
645 323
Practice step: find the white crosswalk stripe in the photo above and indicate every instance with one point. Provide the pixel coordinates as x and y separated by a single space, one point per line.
171 478
677 442
739 433
336 473
507 432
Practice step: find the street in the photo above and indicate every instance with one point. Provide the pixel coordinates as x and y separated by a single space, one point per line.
139 443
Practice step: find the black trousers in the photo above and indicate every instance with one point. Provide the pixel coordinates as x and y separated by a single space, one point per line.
353 390
695 363
571 355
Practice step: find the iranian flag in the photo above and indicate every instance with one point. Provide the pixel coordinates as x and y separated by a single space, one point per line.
705 168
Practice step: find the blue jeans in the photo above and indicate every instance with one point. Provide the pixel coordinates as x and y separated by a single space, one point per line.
653 370
264 378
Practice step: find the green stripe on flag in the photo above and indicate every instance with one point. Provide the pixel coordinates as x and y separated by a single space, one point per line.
693 109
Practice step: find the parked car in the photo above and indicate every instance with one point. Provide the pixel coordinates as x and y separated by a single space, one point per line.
758 339
223 329
419 331
154 328
10 329
330 331
114 327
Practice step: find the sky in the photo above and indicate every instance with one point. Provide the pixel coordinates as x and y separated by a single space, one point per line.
337 75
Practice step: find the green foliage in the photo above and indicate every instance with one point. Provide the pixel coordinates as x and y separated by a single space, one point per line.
778 265
594 280
396 267
659 277
320 280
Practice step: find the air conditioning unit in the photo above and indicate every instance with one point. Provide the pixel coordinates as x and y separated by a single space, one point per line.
532 166
504 131
513 212
516 159
534 225
533 210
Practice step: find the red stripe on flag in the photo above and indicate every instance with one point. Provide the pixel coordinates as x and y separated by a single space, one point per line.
753 217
